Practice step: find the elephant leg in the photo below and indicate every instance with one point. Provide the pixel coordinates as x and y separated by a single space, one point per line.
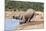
22 22
23 18
26 19
31 17
29 20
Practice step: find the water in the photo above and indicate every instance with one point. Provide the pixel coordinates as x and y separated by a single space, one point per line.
10 24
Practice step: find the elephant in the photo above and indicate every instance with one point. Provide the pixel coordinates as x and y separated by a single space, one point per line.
26 16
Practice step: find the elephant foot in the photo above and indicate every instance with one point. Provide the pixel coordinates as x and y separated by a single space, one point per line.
21 22
29 21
